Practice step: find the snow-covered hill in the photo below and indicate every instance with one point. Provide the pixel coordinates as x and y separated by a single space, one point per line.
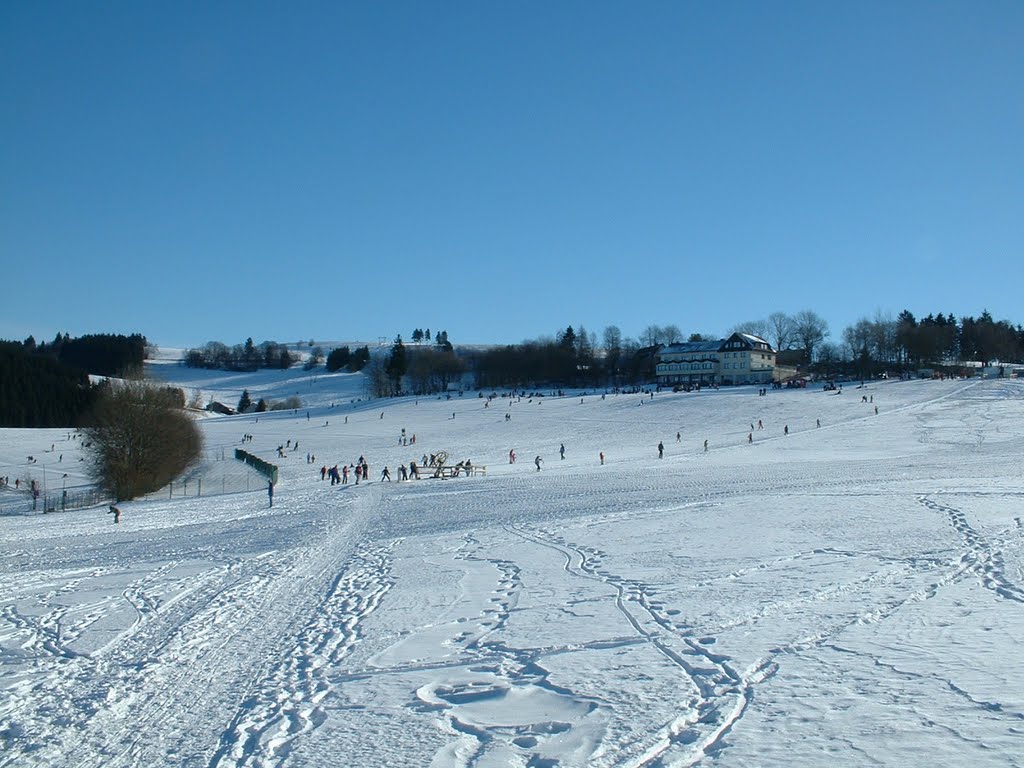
844 594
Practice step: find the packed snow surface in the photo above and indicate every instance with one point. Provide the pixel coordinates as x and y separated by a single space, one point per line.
845 594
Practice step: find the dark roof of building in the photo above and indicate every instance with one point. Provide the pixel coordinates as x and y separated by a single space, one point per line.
718 345
693 346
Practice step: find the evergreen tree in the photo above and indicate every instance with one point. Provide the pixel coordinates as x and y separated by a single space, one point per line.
359 358
106 354
250 357
244 402
397 365
39 391
338 359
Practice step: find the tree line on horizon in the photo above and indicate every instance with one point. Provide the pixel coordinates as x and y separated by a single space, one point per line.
873 345
47 384
575 358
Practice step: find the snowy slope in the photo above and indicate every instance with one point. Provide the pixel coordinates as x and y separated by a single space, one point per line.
850 594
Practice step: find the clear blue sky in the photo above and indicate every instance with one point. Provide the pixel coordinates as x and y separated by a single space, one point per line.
202 171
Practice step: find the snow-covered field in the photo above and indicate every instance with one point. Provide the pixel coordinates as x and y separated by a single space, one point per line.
850 594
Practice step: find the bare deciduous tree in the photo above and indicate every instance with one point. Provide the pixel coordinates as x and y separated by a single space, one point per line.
141 438
612 338
757 328
780 330
810 329
670 334
651 335
378 384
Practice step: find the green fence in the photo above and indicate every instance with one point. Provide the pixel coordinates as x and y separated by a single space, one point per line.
262 466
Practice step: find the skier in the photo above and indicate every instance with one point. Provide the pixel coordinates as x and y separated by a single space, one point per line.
537 461
785 430
561 450
661 449
705 446
270 493
512 456
385 475
116 512
601 456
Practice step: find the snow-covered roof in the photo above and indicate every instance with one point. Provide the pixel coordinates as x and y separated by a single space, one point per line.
755 340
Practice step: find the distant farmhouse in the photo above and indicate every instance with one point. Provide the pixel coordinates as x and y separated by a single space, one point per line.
739 359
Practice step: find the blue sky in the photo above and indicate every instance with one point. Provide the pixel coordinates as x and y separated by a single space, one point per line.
213 171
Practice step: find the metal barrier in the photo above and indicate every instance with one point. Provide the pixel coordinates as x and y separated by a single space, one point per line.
21 502
214 475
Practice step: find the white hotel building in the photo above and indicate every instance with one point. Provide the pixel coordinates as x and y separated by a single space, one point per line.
739 359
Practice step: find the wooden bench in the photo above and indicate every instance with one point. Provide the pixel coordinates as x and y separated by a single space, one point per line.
448 471
425 472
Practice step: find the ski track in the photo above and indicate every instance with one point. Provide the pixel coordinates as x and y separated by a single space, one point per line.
183 655
288 702
76 689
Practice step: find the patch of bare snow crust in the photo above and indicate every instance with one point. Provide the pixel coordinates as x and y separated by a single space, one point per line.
844 594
